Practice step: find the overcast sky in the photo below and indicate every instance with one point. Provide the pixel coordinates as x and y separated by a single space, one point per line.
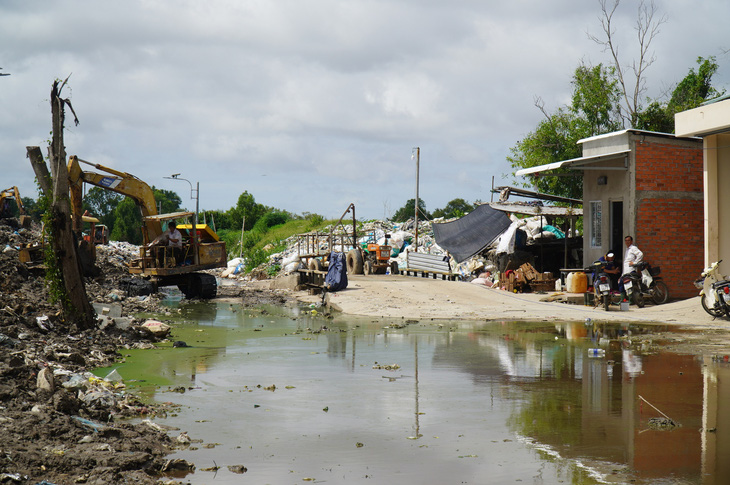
312 104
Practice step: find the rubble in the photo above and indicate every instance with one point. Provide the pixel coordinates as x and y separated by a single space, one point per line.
48 398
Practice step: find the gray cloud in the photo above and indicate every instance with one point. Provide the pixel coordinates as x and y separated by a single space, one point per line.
311 105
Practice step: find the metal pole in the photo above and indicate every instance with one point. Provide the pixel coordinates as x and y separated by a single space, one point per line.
418 162
195 223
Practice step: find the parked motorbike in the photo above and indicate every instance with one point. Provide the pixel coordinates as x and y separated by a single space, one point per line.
715 291
644 282
601 284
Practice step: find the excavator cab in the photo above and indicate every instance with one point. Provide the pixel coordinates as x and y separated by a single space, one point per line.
166 265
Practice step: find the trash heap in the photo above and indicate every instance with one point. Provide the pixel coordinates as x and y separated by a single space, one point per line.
294 257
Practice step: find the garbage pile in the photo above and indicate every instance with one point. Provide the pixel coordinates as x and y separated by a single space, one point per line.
488 267
401 236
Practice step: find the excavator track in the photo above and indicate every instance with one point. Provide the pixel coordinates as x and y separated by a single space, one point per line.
199 285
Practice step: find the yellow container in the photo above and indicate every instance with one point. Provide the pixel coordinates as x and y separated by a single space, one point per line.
577 283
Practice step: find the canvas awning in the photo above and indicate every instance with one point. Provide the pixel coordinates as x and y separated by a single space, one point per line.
580 163
471 234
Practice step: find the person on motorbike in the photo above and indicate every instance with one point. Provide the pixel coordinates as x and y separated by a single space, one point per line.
632 256
610 267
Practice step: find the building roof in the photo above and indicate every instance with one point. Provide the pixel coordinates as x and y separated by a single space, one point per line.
577 163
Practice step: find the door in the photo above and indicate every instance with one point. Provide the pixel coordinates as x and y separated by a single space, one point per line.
617 228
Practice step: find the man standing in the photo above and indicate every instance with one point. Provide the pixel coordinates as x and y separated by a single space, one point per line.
632 256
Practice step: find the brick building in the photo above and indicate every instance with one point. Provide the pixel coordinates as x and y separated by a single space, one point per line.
647 185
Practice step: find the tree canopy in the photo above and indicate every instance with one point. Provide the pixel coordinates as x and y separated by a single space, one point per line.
408 210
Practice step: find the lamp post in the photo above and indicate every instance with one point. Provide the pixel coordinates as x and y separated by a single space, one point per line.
417 155
194 194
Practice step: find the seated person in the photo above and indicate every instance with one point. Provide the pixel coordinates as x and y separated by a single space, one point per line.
611 268
170 238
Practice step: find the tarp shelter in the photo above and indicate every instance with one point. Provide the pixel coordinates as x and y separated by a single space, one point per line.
471 234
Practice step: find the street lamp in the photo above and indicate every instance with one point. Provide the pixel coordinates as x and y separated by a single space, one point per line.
416 153
194 194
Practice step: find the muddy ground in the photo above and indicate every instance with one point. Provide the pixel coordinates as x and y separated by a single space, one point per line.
58 423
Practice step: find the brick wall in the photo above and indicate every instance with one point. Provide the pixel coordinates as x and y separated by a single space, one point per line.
670 213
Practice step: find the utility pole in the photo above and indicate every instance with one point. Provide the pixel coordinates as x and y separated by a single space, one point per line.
418 162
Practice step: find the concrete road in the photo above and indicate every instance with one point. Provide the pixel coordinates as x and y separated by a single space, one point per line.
420 298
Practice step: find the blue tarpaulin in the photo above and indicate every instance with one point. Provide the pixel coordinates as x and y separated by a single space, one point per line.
336 278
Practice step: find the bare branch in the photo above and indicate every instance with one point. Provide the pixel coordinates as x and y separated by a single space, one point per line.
647 27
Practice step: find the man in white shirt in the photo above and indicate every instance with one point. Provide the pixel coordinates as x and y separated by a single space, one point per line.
632 256
170 238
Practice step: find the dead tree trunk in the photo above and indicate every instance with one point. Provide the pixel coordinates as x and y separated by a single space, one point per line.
75 303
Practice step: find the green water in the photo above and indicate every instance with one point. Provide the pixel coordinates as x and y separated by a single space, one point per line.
298 398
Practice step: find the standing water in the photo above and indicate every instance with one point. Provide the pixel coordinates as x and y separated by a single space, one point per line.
295 398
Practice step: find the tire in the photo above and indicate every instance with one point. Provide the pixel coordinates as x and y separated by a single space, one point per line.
314 264
638 299
354 262
660 294
368 267
715 312
394 267
606 302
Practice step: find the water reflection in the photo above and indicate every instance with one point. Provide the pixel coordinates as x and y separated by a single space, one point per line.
460 386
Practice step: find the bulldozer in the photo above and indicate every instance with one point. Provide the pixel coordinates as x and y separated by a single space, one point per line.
201 247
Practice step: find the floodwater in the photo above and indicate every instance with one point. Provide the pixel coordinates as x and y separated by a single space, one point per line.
298 398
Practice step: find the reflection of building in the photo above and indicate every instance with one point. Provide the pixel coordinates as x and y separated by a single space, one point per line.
592 408
715 432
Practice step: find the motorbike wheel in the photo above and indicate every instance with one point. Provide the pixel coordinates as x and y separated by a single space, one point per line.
606 302
660 292
638 299
715 312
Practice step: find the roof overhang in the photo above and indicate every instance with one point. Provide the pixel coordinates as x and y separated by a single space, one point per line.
581 163
536 210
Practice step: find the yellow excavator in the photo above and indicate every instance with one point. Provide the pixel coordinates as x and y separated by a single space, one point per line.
160 264
6 209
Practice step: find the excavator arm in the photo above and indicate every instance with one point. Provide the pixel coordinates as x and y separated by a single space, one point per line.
116 181
12 193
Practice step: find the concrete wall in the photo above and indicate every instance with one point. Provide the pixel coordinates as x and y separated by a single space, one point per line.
712 122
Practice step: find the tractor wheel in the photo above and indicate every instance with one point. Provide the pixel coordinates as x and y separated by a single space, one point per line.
368 267
394 267
354 262
661 292
314 264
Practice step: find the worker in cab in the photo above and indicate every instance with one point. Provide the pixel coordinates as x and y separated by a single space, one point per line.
171 238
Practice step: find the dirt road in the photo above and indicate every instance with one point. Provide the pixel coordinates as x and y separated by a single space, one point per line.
420 298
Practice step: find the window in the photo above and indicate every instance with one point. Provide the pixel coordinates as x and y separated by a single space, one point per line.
596 216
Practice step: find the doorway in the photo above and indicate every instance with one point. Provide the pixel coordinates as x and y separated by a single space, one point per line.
617 227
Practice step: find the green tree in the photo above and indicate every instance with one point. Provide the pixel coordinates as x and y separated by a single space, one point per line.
690 92
594 110
455 208
101 203
167 200
246 207
407 211
127 222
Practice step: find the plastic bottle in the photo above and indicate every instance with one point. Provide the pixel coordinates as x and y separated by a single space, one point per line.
596 353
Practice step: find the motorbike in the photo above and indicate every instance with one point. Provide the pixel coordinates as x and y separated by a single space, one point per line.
601 284
715 291
644 283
